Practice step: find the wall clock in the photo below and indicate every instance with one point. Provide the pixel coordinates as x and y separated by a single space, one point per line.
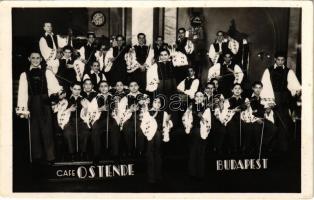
98 18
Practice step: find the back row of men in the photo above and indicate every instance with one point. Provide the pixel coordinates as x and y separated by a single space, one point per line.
125 63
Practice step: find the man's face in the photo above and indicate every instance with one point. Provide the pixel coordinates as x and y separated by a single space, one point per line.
191 72
237 90
257 89
88 86
119 86
103 88
76 90
141 39
220 36
133 87
157 103
35 59
67 53
215 82
199 97
91 39
181 34
164 56
95 67
48 27
280 61
210 89
103 47
120 41
227 58
159 41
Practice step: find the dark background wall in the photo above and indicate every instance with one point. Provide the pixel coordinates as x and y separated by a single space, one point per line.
267 29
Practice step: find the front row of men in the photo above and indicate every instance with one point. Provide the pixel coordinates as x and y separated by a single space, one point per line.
115 118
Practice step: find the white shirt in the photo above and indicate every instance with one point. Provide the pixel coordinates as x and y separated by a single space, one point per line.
52 84
86 76
190 92
267 94
233 45
214 72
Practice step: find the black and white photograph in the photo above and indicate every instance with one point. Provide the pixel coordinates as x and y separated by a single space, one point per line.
157 99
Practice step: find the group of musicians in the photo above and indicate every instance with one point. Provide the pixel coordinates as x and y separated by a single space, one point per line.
119 99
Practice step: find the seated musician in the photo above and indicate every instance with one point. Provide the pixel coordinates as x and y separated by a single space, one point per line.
189 85
66 74
115 65
227 73
95 75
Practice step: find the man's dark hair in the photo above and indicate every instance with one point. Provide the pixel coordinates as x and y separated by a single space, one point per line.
236 85
67 47
181 29
91 33
210 83
227 52
257 83
34 51
133 82
88 79
220 32
121 36
166 50
159 36
138 35
280 54
75 83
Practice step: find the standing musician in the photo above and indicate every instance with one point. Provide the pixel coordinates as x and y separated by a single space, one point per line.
68 116
87 52
156 125
258 123
228 114
161 77
101 121
115 64
211 102
117 114
189 85
35 87
197 124
101 54
50 47
130 121
142 57
280 85
228 73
